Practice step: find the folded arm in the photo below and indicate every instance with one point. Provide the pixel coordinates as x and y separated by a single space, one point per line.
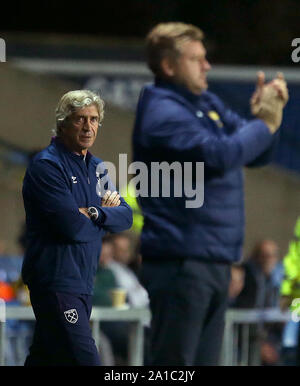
114 214
46 187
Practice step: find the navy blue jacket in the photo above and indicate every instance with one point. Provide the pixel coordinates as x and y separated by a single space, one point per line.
172 124
64 245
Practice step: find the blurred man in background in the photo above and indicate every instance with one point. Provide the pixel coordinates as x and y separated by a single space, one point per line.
105 279
261 290
187 252
126 278
114 272
66 220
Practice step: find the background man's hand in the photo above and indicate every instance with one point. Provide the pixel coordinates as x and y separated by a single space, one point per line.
280 85
268 100
111 199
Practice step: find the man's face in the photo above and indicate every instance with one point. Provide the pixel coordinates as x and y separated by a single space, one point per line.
122 250
269 256
191 66
107 254
81 129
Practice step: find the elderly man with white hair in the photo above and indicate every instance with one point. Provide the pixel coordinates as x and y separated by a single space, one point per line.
66 219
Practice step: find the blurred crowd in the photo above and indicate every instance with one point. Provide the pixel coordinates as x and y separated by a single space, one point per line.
255 284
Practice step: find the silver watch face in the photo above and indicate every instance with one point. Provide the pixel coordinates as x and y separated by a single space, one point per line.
93 212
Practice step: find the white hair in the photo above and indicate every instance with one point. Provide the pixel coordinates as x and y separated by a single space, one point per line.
76 100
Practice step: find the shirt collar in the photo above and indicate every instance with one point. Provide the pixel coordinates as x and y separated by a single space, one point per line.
55 140
183 91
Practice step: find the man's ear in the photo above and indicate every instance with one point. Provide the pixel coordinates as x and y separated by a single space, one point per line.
167 66
60 130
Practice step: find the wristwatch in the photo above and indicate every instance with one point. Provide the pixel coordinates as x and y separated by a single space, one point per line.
93 213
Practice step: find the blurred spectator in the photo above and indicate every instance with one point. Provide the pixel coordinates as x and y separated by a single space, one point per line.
104 282
122 248
105 279
261 290
114 271
136 294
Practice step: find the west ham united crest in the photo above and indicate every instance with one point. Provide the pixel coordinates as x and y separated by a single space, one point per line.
71 315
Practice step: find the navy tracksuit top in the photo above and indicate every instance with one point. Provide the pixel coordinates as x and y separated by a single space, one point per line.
64 246
172 124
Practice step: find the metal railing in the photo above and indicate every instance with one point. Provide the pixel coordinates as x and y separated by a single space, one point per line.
237 349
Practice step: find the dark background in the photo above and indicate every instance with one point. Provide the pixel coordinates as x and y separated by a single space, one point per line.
237 32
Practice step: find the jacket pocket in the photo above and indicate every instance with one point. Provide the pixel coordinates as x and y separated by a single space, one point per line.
72 263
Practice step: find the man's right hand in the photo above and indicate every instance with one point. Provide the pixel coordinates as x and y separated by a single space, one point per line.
269 99
111 199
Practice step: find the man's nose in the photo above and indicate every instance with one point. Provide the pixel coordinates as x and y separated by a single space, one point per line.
87 124
207 65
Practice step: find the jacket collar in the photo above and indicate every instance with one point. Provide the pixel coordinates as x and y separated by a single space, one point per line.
59 144
178 89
